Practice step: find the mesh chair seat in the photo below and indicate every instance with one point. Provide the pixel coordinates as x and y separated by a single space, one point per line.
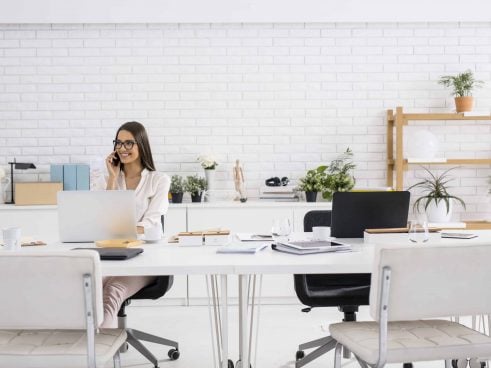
412 340
56 348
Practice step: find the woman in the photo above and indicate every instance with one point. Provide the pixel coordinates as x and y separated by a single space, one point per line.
130 167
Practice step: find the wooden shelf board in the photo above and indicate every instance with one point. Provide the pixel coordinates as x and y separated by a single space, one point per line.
477 225
444 116
450 161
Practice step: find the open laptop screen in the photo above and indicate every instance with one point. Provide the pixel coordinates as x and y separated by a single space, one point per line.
86 216
353 212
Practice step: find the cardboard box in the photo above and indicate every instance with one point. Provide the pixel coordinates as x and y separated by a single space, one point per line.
29 193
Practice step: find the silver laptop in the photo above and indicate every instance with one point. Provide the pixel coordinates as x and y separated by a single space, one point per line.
86 216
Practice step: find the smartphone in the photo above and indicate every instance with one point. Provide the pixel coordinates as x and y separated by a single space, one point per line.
116 159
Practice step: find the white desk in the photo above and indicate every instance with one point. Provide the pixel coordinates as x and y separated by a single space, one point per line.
171 259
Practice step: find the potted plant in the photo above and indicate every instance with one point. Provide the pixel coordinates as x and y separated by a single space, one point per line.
436 200
176 188
462 85
339 177
311 183
195 185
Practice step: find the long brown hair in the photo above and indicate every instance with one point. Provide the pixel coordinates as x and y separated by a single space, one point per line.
141 138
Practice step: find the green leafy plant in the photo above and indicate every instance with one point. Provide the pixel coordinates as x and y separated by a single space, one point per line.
195 184
339 177
462 83
313 180
435 189
176 184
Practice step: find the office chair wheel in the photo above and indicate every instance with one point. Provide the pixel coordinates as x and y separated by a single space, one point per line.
299 355
230 363
173 354
407 365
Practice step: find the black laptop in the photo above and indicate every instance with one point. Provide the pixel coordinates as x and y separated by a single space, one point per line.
353 212
115 254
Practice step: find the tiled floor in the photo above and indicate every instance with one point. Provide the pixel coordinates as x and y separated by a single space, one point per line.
282 328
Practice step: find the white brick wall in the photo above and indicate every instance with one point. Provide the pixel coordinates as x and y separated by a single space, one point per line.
283 98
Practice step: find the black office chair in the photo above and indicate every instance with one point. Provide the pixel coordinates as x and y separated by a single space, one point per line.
345 291
157 289
353 212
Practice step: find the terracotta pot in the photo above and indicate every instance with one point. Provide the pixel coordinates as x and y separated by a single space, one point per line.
464 103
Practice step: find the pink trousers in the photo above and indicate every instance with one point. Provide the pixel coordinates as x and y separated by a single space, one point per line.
115 290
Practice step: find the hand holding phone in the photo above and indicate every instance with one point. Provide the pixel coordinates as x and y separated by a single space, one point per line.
115 160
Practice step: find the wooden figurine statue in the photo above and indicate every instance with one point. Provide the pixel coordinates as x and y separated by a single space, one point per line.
239 182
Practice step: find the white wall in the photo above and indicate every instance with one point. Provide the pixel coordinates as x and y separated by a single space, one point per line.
283 98
237 11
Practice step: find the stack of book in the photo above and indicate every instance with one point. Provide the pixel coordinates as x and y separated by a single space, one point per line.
310 247
278 194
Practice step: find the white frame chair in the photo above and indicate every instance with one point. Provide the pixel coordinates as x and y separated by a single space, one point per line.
51 309
410 286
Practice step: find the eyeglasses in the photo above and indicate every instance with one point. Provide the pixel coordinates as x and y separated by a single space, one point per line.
127 144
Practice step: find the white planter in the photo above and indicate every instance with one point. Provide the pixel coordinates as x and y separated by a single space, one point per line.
439 213
210 179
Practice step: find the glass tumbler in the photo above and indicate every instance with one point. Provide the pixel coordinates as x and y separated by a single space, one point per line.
418 231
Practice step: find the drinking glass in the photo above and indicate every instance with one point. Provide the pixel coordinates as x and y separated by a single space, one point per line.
281 229
418 231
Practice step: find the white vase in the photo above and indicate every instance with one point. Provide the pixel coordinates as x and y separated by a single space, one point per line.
210 178
438 213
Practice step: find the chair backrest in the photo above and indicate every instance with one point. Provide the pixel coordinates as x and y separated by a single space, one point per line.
353 212
316 218
45 290
433 281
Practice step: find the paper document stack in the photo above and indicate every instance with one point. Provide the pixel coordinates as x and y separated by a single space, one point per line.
278 194
310 247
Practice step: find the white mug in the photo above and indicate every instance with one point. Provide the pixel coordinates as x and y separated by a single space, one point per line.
11 238
153 233
321 232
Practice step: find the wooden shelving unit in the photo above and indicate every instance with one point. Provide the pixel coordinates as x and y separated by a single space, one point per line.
397 164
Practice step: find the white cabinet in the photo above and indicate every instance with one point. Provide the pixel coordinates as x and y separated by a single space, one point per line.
175 220
38 222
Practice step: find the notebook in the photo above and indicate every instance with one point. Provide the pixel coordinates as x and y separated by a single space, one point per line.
310 247
115 254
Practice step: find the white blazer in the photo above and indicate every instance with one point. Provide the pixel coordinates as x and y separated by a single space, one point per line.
151 195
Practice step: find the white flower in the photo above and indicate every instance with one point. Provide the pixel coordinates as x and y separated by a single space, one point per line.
207 161
2 173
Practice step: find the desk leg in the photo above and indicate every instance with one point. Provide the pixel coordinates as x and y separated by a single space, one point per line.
214 320
243 323
224 320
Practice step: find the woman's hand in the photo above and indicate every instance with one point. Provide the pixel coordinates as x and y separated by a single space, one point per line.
113 169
